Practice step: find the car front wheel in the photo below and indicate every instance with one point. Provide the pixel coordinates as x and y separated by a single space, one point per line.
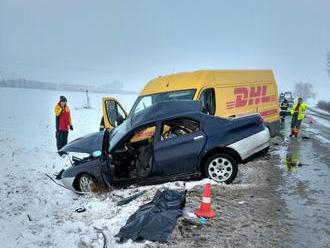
221 167
86 183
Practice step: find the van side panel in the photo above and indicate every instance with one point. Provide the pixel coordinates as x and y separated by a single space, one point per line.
244 92
237 92
247 98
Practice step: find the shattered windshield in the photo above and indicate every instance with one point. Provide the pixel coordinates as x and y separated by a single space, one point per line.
146 101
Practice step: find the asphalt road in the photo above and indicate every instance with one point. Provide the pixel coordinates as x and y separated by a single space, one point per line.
279 200
305 188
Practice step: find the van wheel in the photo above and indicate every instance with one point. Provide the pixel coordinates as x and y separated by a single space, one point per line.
86 183
221 168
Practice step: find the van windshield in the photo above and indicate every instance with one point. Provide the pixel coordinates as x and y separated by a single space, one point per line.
143 102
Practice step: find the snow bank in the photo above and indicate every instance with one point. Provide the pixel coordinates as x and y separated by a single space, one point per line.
34 211
319 111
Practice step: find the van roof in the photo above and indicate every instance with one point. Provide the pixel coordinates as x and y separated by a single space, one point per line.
202 78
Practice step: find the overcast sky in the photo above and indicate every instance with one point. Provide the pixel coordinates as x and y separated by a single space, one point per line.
135 41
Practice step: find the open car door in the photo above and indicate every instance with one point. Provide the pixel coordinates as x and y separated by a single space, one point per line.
113 113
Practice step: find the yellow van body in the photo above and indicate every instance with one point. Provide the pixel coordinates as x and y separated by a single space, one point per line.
233 92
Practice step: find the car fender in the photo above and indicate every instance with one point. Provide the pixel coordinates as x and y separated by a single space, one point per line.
221 149
92 168
252 144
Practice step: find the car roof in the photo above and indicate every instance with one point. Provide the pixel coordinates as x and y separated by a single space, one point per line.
164 110
156 112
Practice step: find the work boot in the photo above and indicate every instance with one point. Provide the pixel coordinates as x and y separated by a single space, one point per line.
292 132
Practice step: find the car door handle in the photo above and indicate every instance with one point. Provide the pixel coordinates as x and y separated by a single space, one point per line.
198 137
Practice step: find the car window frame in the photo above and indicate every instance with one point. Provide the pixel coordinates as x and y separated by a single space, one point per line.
214 98
130 134
161 123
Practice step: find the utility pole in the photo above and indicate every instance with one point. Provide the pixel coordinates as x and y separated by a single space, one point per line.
88 106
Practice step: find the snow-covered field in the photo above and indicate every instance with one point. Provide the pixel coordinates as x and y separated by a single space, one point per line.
35 212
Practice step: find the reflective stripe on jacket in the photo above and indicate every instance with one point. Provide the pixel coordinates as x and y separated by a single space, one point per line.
284 106
301 111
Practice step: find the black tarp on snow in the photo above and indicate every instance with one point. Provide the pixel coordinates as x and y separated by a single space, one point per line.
155 220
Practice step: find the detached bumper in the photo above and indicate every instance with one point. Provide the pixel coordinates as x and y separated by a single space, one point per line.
67 182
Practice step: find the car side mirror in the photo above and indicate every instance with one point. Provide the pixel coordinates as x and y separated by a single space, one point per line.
96 154
120 120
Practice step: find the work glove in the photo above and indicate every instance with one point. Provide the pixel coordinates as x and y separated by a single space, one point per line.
71 127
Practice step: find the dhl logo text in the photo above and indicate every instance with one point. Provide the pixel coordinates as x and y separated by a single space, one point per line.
246 96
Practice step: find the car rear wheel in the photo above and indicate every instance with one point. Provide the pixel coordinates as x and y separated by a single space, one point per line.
86 183
221 167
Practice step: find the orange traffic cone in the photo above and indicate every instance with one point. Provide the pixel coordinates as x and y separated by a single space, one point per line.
205 208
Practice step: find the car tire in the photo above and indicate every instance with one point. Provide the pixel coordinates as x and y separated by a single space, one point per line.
86 183
220 167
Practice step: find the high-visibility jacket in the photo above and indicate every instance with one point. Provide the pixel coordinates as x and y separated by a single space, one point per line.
63 117
301 110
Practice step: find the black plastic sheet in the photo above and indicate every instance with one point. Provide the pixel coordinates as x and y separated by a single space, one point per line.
155 220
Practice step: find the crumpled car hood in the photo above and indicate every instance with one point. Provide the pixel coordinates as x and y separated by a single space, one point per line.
86 144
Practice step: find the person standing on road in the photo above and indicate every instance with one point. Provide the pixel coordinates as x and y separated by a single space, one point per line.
284 109
298 114
63 122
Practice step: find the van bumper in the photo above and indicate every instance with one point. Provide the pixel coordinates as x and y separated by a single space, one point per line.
274 127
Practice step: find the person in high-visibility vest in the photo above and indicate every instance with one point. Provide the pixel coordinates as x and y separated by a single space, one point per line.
298 114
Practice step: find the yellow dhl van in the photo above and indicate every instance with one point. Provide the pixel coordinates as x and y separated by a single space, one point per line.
225 93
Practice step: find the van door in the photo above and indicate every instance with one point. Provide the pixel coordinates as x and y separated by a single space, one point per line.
113 113
207 97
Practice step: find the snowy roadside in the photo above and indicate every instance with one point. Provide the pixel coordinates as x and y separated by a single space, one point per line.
317 123
35 212
319 111
38 213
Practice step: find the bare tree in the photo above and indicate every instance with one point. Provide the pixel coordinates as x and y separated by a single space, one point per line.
304 90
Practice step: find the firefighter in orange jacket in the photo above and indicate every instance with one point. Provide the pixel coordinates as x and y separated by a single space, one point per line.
63 122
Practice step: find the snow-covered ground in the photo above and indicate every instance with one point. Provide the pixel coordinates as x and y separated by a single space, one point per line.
35 212
319 111
317 122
